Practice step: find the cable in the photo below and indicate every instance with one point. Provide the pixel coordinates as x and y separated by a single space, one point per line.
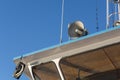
97 25
62 15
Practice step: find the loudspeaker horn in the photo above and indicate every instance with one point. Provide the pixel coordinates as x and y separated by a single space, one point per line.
76 30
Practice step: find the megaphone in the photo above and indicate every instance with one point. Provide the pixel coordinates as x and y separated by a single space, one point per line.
19 70
117 23
76 30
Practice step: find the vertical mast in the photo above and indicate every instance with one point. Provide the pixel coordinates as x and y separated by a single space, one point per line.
119 10
62 16
107 14
112 14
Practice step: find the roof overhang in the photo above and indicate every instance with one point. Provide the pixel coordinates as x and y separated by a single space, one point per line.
84 44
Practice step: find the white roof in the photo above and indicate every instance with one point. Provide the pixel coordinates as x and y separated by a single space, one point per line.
81 45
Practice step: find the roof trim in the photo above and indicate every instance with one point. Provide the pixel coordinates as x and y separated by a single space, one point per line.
71 41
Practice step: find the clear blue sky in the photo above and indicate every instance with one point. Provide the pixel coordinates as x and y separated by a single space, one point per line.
30 25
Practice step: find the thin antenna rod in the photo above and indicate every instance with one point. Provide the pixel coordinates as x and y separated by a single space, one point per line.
107 14
62 15
119 11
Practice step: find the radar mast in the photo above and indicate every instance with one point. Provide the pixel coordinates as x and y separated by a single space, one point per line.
115 13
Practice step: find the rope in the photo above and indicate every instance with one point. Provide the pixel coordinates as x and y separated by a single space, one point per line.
62 15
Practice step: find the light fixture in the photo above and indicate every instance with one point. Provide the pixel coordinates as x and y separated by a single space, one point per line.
19 70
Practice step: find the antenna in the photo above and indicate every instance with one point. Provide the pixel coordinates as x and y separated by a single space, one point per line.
62 15
115 13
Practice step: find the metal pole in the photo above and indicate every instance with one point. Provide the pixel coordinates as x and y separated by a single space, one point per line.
62 16
107 14
57 61
115 17
119 11
31 72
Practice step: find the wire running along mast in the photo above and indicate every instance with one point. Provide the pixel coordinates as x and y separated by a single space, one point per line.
97 24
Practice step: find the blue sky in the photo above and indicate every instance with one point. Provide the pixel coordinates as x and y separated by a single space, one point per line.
30 25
